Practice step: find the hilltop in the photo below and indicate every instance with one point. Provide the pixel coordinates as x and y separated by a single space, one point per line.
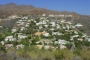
12 8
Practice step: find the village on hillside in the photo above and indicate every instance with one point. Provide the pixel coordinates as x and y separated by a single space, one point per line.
42 32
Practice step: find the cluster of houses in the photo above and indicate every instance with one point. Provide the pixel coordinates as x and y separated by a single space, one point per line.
59 15
47 28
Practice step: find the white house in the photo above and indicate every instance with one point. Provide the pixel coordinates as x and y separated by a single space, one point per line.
73 26
78 25
80 39
89 40
75 36
1 26
25 17
62 47
2 42
43 14
46 34
61 15
60 42
46 46
67 26
63 21
51 15
56 33
42 18
14 30
64 27
71 38
40 42
75 32
20 23
27 25
41 22
40 27
84 35
53 23
52 29
20 20
28 21
34 21
10 38
22 36
58 26
68 15
47 20
46 25
22 28
68 22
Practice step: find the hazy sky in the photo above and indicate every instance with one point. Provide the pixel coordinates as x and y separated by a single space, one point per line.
79 6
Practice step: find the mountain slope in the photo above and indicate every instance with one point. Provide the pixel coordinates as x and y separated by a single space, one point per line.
11 8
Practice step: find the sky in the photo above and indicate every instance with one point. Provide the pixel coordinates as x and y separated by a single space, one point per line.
78 6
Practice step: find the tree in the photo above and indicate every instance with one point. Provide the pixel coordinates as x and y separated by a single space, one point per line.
37 20
68 45
35 40
2 48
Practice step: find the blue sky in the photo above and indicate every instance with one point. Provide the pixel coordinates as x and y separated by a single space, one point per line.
79 6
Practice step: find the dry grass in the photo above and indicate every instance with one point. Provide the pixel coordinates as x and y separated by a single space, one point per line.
34 53
85 55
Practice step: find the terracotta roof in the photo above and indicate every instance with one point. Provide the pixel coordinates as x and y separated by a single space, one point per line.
39 33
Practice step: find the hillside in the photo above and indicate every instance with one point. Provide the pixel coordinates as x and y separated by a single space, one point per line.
11 8
31 33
